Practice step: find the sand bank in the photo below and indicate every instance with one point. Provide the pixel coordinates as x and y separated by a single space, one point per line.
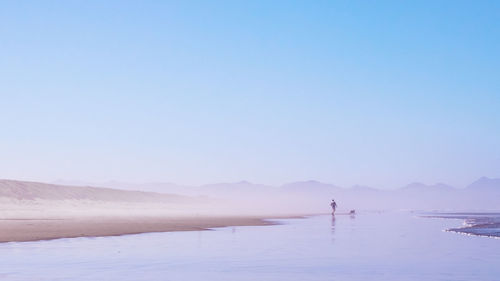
17 230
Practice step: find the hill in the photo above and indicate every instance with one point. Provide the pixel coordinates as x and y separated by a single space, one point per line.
24 190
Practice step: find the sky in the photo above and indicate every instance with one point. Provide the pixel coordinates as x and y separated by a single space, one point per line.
378 93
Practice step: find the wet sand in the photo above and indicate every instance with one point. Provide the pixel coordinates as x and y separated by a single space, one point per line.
478 224
17 230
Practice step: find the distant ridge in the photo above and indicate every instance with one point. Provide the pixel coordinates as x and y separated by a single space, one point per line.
417 186
484 183
310 185
311 195
167 187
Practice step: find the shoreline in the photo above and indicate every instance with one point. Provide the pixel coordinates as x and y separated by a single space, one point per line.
475 224
35 229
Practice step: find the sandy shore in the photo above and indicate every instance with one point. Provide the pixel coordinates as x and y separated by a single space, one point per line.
17 230
478 224
31 211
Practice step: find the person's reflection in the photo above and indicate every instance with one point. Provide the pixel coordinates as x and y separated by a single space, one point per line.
333 228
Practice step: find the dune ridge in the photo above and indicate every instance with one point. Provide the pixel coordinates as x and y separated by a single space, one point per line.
23 190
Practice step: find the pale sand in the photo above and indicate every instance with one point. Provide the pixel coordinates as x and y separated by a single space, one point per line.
17 230
31 211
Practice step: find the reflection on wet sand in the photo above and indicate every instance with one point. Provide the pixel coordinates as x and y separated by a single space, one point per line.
333 224
333 228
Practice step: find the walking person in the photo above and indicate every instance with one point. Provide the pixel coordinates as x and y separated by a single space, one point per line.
334 206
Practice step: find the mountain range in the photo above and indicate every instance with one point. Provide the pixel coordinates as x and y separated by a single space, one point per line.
310 196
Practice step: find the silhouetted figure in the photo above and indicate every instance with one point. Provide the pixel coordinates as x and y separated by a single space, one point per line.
334 206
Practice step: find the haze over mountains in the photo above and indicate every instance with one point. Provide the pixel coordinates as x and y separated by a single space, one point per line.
41 210
313 196
244 197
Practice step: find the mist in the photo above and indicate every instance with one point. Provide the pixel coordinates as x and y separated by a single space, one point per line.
31 199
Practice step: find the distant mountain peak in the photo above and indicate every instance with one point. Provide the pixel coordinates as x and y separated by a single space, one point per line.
309 185
237 183
313 182
421 186
308 182
244 182
485 183
415 184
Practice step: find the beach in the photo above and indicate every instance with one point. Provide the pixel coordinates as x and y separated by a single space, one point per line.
369 246
474 223
31 211
25 229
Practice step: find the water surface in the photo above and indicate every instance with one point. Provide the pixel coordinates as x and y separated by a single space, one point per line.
385 246
481 224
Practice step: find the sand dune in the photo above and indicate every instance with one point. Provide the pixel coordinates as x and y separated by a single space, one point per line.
23 190
35 211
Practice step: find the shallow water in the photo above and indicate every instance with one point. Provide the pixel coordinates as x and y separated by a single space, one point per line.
388 246
483 224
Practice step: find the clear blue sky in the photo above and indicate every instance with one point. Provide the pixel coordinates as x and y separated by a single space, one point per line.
379 93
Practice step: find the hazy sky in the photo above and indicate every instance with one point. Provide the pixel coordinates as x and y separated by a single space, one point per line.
379 93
